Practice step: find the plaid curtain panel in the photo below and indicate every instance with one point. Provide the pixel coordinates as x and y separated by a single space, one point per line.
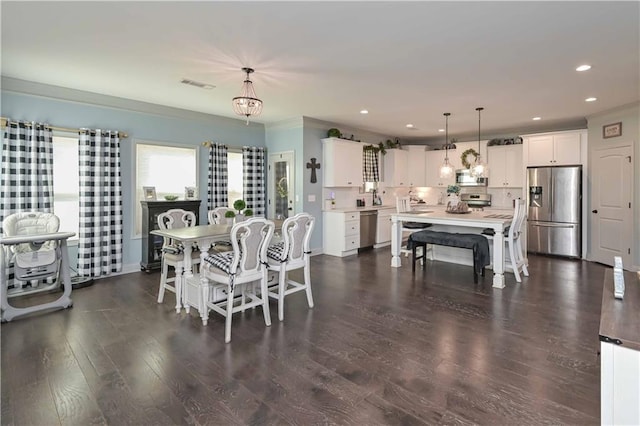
253 178
370 166
26 180
100 235
217 185
27 169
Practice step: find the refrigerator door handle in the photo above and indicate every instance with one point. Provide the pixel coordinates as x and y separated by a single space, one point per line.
551 225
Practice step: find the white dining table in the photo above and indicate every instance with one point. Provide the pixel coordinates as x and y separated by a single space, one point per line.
473 219
202 235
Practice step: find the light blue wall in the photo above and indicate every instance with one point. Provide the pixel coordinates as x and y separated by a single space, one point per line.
145 122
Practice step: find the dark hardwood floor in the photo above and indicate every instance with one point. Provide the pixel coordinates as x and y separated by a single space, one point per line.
380 347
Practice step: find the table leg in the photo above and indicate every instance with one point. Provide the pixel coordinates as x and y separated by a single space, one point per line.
396 242
498 258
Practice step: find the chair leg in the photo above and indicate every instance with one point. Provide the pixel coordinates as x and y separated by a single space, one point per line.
282 286
525 271
229 315
265 299
163 281
204 299
307 284
514 262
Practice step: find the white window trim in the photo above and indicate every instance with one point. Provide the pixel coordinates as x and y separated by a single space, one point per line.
134 175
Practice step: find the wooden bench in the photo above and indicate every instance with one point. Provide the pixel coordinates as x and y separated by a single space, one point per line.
475 242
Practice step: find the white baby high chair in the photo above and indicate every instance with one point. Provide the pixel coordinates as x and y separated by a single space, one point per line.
32 244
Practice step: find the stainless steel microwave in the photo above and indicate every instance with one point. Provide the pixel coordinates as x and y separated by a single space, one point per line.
464 178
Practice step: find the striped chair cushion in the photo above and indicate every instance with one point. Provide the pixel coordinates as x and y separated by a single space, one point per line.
173 249
221 261
275 251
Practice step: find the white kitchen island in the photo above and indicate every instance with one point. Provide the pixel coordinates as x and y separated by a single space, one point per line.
472 222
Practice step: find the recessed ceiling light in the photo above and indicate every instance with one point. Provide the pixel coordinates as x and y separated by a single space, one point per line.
591 99
583 68
364 111
409 126
537 118
441 130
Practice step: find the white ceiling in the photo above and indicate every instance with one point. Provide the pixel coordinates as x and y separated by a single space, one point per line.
406 62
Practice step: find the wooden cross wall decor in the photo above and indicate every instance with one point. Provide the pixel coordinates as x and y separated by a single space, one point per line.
313 166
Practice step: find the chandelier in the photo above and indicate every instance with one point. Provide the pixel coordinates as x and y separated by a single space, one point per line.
446 170
479 169
247 103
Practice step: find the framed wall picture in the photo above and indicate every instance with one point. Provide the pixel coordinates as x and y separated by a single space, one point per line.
612 130
149 193
190 193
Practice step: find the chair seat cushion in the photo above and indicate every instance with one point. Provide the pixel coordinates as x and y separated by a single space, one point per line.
221 261
415 225
173 249
275 251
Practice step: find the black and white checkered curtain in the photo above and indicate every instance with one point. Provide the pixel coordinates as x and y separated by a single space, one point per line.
253 178
370 166
217 187
100 235
27 169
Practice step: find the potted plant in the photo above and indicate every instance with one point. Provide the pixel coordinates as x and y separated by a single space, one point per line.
229 215
240 207
453 192
248 212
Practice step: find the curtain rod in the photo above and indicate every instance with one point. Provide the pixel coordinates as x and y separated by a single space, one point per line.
3 124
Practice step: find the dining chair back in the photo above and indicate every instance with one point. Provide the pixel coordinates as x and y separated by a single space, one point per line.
238 270
216 216
513 241
173 253
290 254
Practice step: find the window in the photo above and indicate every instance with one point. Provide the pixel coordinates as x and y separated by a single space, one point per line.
167 168
66 183
234 177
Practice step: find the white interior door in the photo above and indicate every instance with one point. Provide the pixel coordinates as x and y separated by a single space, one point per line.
611 206
281 182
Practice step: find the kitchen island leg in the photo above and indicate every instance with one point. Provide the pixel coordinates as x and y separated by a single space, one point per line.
396 242
498 257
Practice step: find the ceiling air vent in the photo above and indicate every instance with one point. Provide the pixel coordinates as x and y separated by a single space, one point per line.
197 84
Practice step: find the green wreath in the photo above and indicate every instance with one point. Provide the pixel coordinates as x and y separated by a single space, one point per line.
464 155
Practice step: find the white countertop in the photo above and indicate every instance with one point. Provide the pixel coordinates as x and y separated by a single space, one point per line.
415 207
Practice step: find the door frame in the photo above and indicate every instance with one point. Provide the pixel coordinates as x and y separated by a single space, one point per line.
290 157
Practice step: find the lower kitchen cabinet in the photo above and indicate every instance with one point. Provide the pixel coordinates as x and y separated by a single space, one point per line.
383 230
341 233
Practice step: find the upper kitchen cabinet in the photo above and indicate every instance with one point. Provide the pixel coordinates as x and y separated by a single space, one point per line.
416 172
505 166
554 149
433 161
342 162
395 167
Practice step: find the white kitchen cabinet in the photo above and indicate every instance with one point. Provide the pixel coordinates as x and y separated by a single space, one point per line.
433 161
395 168
342 163
383 229
554 149
416 166
505 166
341 233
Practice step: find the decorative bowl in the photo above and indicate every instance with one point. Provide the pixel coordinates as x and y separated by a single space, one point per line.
170 197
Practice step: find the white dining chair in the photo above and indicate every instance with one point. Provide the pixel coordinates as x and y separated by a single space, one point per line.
173 255
513 241
290 254
237 271
403 205
216 216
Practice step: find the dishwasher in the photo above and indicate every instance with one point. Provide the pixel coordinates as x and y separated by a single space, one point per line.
368 224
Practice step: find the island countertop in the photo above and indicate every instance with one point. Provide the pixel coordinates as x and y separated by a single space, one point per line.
620 319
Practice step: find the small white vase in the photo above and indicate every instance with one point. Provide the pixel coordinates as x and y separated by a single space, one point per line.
453 200
240 217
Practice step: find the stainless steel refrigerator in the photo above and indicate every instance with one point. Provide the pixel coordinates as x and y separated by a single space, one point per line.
555 200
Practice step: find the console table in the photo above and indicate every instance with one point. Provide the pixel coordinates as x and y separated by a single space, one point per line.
620 352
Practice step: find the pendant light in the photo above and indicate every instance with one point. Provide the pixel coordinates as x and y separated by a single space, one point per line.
479 169
446 170
247 103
